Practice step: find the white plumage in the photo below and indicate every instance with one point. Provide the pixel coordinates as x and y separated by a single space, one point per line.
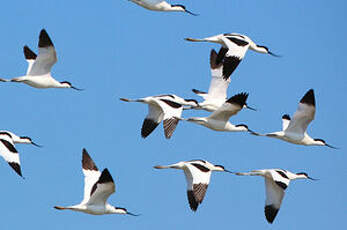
97 189
161 5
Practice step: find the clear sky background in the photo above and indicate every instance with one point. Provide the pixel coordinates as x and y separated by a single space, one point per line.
114 49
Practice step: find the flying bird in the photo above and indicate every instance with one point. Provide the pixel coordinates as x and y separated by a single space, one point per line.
198 174
217 93
276 182
160 5
219 119
294 130
8 150
98 186
236 46
39 66
167 108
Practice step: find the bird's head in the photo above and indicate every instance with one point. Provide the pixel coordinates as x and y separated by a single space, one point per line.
220 168
66 84
117 210
322 142
265 50
243 127
181 8
304 175
27 140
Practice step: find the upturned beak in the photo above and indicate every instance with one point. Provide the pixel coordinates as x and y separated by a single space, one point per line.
189 12
228 171
311 178
132 214
250 108
33 143
330 146
275 55
73 87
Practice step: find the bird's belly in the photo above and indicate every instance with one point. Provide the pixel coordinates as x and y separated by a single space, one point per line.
216 125
294 138
95 210
149 6
38 82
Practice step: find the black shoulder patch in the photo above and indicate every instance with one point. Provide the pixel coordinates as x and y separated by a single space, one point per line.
28 53
201 167
7 134
44 39
282 174
9 146
148 126
171 103
239 99
270 213
237 41
229 66
309 98
281 184
87 162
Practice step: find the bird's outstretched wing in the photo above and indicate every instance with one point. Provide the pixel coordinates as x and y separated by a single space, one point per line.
9 153
231 107
91 174
198 178
303 115
47 56
219 83
102 189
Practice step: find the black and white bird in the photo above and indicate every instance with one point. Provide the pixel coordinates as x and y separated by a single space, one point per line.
236 46
276 182
219 119
98 186
294 130
39 66
167 108
198 174
161 5
8 150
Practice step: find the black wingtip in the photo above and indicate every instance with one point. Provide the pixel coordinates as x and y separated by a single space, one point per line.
286 117
193 204
270 213
308 98
105 177
87 161
16 168
239 99
28 53
44 39
147 127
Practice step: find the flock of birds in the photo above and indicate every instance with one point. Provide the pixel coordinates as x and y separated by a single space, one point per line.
168 108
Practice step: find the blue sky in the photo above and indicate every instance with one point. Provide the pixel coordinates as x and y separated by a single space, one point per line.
117 49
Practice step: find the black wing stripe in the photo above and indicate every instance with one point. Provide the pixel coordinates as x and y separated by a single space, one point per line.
282 174
147 127
200 167
9 146
237 41
281 184
171 103
170 126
